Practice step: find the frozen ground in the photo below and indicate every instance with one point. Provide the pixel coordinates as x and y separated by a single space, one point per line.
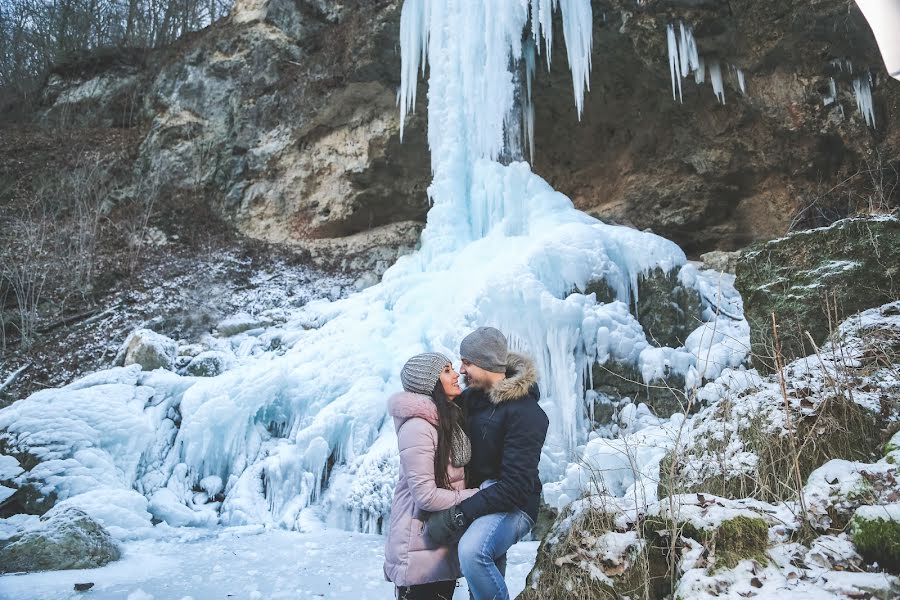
243 563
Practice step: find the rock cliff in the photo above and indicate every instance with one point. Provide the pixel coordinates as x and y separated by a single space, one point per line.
283 115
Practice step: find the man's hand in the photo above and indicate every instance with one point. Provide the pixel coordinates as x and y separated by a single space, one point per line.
446 525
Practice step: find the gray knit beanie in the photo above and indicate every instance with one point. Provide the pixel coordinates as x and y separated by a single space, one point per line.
420 374
485 347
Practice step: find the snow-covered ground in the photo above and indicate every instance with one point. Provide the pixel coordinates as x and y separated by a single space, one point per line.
244 563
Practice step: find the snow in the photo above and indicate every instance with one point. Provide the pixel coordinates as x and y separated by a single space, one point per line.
9 467
884 512
244 562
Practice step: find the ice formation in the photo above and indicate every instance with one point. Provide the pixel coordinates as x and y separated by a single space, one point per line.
301 419
685 59
862 89
742 83
715 78
832 92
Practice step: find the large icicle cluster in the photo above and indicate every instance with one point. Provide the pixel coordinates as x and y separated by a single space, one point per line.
685 59
302 422
862 90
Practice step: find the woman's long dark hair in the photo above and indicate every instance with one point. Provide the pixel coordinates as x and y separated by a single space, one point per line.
450 417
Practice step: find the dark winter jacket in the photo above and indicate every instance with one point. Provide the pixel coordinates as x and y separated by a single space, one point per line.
507 428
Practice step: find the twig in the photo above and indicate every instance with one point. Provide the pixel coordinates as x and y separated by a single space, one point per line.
12 378
68 320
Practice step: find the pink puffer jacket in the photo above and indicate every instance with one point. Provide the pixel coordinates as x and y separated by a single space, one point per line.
410 556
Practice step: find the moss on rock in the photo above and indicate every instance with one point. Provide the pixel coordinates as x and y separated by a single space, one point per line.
740 538
667 311
731 541
811 280
584 557
876 535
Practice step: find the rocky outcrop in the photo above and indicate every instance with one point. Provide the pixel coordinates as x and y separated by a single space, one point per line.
288 112
594 551
811 280
713 176
64 539
284 116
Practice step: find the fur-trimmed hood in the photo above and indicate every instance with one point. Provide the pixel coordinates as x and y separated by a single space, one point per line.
520 377
407 405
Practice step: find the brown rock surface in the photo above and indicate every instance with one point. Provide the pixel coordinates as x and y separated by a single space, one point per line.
712 176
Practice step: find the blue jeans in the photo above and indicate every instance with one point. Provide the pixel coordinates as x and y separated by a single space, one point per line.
482 552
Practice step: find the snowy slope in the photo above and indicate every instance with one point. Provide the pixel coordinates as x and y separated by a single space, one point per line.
300 420
241 562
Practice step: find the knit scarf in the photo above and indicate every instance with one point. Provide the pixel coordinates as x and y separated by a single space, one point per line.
460 448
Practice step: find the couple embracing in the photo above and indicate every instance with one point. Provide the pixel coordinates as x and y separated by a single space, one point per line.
468 487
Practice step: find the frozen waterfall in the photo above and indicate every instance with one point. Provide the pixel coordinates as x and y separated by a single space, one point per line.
302 423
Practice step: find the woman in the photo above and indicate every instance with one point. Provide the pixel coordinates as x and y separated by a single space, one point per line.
433 451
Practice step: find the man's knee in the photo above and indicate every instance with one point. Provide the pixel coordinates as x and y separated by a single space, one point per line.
472 549
468 549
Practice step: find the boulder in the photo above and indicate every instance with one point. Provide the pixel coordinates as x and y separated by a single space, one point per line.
811 280
64 539
667 310
240 323
718 260
209 363
148 349
618 384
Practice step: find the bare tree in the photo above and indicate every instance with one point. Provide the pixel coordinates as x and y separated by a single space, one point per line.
35 34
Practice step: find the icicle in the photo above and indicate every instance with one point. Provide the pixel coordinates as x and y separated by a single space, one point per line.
715 77
700 73
674 63
832 96
530 54
414 18
684 58
742 84
578 30
862 89
542 24
690 58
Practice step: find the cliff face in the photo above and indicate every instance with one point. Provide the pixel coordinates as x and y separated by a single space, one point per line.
284 117
711 175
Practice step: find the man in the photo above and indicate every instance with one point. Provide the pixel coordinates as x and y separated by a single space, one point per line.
507 429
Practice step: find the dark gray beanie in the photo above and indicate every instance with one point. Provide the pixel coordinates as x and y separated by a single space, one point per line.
485 347
420 374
